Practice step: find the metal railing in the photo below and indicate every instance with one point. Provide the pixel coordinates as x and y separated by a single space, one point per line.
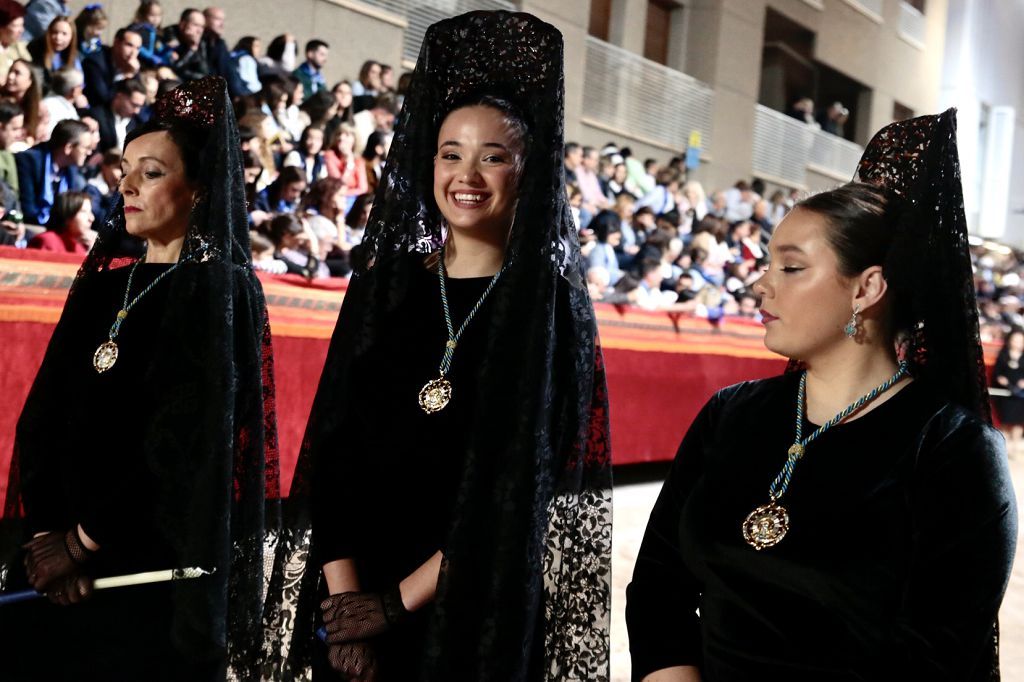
420 14
784 148
639 98
912 23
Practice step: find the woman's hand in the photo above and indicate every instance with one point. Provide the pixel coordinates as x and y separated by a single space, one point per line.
355 616
54 557
354 661
679 673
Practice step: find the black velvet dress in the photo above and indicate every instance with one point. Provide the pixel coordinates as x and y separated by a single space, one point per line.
902 532
94 475
391 507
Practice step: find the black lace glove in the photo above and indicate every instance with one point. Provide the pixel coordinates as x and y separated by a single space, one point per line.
70 590
54 556
355 661
356 616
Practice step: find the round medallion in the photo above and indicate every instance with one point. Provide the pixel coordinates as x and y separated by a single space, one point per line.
766 526
105 356
435 394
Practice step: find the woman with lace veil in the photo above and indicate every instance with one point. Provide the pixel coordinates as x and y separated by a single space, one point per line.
455 473
879 546
148 439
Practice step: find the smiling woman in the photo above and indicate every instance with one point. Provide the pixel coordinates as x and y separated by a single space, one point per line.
852 519
455 469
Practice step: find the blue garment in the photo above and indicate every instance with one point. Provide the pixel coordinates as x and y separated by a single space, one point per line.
39 14
152 52
38 185
312 79
246 67
88 47
603 256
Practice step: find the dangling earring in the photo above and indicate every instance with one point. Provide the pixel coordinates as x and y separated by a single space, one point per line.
851 327
196 198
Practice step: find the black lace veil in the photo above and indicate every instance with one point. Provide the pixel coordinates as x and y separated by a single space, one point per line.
929 266
527 562
212 445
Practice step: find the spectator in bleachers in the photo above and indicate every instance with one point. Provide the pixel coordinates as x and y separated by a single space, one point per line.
310 72
834 118
662 198
381 116
117 62
69 228
369 80
309 154
355 221
387 78
12 28
636 174
587 179
218 56
624 207
282 53
803 110
319 109
572 160
263 255
739 201
39 14
617 182
244 57
281 97
296 245
284 194
121 115
148 23
648 293
373 158
607 230
778 207
342 162
12 129
65 97
342 92
23 87
185 51
55 49
51 168
90 25
102 188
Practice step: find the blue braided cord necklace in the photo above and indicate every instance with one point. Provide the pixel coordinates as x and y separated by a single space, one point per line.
437 393
769 523
106 355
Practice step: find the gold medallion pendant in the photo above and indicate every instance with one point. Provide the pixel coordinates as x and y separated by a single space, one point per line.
435 395
105 356
766 526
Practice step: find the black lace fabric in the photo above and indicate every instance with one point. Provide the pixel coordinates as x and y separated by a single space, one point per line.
211 445
929 267
524 591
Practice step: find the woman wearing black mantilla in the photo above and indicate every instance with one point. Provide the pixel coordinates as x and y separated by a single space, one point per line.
148 440
880 546
456 462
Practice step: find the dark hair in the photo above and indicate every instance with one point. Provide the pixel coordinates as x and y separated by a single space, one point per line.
570 147
30 101
317 106
190 141
65 206
283 224
287 176
9 110
648 265
316 44
129 86
10 10
604 224
186 13
859 228
275 50
119 36
65 132
356 212
320 191
375 139
111 157
245 44
251 160
364 70
166 85
650 162
70 53
514 118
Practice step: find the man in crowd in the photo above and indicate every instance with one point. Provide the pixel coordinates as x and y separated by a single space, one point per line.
217 53
187 53
52 167
111 64
121 115
310 72
573 159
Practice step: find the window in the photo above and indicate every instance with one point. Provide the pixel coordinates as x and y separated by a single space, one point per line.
600 19
916 4
901 112
659 27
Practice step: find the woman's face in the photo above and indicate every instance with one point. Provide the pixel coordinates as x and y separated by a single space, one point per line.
59 36
314 142
157 194
475 178
1016 343
155 16
620 173
19 79
257 48
338 201
11 33
346 142
252 174
805 300
81 222
343 95
94 30
293 191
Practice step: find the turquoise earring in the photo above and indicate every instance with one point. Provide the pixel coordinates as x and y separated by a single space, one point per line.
851 327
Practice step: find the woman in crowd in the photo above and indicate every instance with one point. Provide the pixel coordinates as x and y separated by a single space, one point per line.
342 162
373 158
284 194
69 229
1008 374
297 246
309 155
12 26
356 220
56 49
324 205
369 80
22 87
475 543
149 15
245 59
282 54
878 546
171 461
